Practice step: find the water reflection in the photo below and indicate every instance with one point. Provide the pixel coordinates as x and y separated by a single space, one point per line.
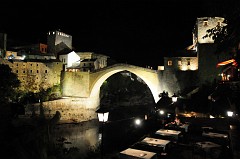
82 136
88 135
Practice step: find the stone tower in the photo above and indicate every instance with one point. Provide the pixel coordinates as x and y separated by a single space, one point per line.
58 42
202 25
206 49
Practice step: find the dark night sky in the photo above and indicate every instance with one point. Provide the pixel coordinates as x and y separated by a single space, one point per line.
138 32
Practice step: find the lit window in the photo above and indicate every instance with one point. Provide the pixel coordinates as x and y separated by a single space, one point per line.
169 63
205 23
179 62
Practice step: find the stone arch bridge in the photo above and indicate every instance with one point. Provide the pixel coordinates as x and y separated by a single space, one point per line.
85 86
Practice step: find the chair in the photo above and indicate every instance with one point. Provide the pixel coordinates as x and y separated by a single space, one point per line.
198 152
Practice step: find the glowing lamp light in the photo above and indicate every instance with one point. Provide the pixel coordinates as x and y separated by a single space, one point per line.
229 113
137 121
161 112
102 115
174 97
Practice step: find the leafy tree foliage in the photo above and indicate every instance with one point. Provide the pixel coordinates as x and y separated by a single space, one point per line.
8 84
227 37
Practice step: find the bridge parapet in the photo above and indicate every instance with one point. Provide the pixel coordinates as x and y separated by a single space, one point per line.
125 65
88 84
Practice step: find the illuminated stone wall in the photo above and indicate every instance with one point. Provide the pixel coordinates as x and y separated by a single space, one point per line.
181 63
174 81
36 74
203 24
75 84
71 109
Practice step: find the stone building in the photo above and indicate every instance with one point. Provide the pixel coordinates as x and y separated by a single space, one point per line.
83 61
37 74
196 64
59 42
41 65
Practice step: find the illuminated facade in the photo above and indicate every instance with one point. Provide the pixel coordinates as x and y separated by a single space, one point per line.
196 64
201 27
89 62
71 59
58 42
187 62
36 74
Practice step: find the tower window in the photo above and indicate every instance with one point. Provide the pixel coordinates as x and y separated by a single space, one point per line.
205 23
179 63
169 63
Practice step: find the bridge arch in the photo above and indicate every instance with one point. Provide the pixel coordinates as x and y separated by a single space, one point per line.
149 76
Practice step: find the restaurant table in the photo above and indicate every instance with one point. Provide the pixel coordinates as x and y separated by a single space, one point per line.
167 132
156 142
215 135
131 153
209 148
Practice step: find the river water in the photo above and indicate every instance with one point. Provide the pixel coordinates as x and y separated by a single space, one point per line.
115 135
110 137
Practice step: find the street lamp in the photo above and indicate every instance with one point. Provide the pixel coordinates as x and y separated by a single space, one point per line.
102 117
174 98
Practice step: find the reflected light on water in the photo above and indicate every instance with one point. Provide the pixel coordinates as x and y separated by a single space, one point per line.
82 136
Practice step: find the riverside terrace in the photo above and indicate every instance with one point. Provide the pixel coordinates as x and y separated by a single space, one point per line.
193 143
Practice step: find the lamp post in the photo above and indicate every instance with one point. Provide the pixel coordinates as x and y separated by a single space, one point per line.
174 100
102 117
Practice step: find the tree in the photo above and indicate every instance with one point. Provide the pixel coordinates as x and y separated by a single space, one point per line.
8 84
227 37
